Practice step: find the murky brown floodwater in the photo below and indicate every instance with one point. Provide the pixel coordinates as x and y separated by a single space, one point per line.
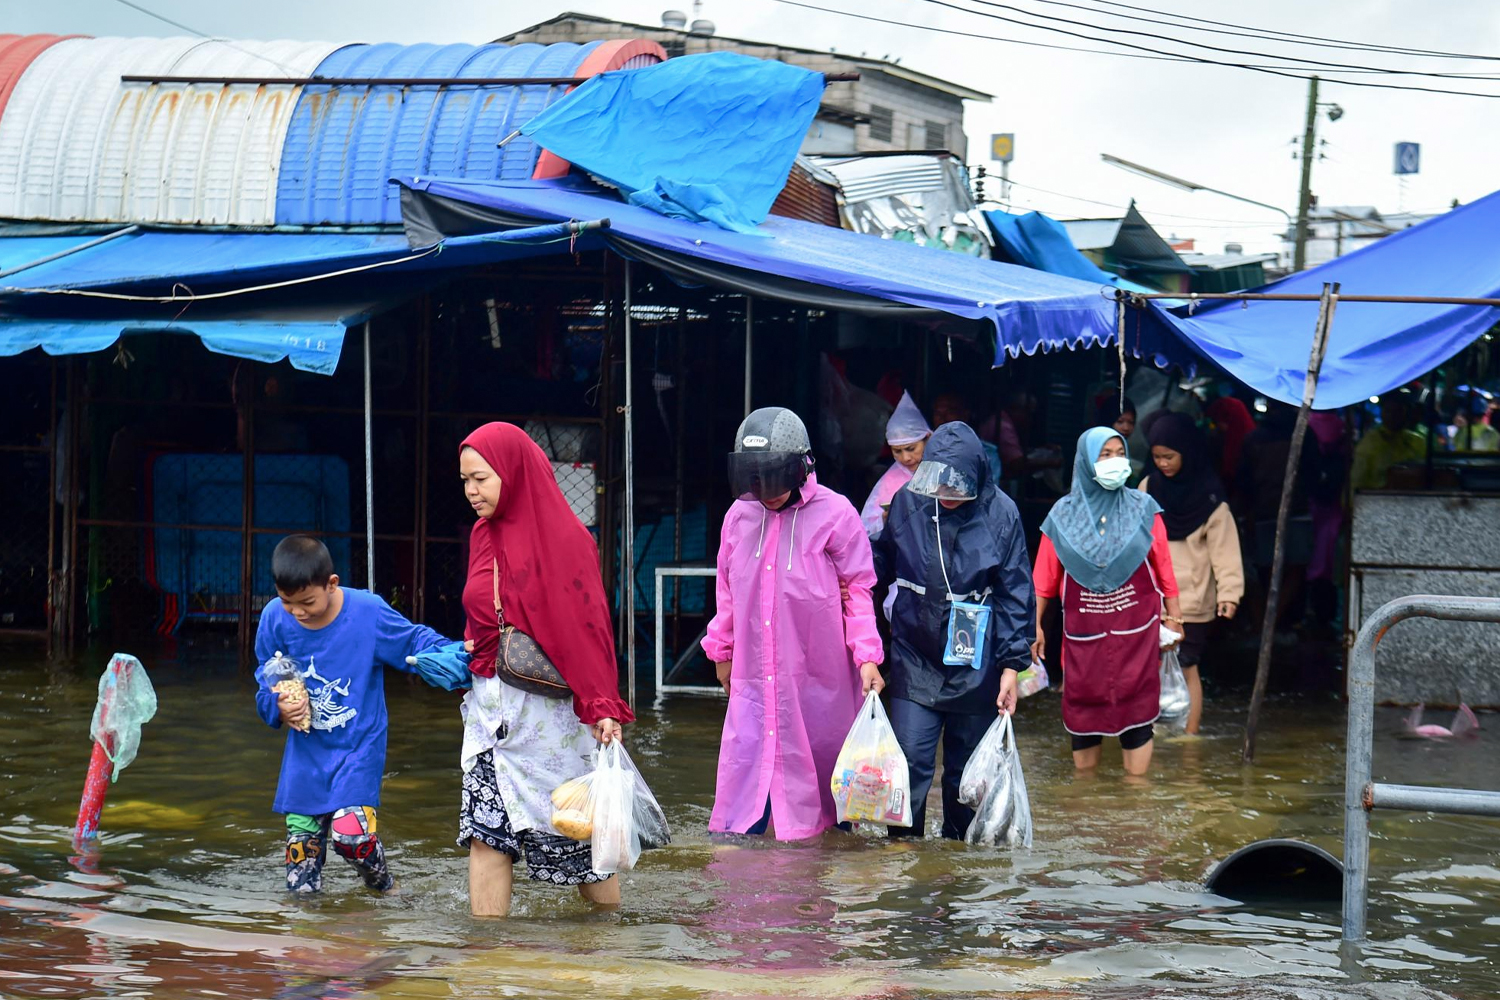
183 899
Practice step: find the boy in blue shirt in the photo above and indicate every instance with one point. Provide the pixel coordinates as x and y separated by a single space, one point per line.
330 773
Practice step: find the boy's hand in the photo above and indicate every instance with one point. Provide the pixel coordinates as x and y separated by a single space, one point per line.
293 713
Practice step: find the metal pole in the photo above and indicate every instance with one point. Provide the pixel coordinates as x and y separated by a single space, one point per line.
1429 798
1359 739
1304 194
369 473
629 493
247 518
1289 483
51 606
749 345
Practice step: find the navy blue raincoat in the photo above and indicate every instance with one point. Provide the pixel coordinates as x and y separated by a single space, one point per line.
984 548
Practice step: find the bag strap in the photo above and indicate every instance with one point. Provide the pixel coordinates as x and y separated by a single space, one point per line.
495 583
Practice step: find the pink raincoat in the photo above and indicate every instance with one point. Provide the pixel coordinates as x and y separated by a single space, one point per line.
796 647
872 516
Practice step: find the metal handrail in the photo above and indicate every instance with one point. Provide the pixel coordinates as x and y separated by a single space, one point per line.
1361 794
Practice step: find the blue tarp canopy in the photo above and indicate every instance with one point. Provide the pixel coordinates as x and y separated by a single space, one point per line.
1039 241
790 260
704 137
1373 347
263 296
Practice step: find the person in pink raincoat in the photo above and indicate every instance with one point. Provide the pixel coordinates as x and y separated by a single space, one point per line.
794 655
907 433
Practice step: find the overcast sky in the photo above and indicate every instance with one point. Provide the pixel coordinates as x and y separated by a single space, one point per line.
1226 128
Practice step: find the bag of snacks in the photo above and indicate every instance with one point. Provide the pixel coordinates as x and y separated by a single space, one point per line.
870 782
283 675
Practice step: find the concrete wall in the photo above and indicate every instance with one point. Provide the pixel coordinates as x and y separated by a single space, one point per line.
912 105
1429 543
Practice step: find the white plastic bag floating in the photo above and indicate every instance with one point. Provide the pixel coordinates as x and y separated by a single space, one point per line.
997 786
612 809
1174 689
870 782
126 702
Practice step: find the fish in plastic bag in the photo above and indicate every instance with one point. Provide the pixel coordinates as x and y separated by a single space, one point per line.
1174 690
1465 723
870 782
1033 679
612 808
283 675
1004 813
985 764
126 702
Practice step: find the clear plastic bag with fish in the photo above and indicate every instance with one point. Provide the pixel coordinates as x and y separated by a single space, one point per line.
613 809
282 675
870 781
1175 699
1003 817
986 762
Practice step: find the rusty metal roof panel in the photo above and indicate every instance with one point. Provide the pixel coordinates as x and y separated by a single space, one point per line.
78 144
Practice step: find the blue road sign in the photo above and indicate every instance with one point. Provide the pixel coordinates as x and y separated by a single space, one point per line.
1408 157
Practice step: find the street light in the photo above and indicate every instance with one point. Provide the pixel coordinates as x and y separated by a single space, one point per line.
1178 182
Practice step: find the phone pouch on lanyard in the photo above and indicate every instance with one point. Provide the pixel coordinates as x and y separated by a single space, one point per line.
967 625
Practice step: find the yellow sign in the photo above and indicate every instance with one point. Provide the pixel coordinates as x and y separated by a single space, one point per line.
1003 147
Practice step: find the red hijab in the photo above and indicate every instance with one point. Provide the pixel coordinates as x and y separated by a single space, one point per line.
550 586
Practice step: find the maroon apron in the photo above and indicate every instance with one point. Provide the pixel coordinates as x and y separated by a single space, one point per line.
1111 655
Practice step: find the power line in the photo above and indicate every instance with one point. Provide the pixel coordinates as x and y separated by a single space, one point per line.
203 34
1284 72
1299 39
1203 45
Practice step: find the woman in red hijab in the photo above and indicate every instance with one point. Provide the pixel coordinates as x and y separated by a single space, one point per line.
529 550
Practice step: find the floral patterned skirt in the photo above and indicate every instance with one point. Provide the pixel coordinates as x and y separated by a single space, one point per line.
549 857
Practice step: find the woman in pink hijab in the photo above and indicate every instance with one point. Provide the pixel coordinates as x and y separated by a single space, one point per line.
907 433
794 656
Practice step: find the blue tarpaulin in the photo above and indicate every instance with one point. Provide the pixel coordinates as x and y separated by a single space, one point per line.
1041 242
792 260
1372 346
704 137
84 301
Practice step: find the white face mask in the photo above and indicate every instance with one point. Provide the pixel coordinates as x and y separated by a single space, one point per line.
1111 473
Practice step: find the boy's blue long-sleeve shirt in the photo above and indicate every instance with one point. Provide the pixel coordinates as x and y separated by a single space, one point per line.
339 762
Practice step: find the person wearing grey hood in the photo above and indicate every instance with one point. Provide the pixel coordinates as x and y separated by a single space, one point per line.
963 618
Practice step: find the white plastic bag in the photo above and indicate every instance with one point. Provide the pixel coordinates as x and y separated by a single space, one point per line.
1174 690
1004 812
870 782
612 808
986 762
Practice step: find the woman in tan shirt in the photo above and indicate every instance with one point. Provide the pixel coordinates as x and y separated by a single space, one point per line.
1204 540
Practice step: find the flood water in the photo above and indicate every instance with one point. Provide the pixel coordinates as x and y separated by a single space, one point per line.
183 898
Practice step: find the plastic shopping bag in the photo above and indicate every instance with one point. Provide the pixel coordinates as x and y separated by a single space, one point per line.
612 808
870 782
1004 812
1174 690
282 675
986 763
1033 679
126 702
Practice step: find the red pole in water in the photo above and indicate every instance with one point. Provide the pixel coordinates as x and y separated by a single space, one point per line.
101 770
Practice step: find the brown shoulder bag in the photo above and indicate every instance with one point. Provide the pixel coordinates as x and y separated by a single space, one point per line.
520 662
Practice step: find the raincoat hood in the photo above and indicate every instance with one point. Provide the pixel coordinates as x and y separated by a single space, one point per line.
956 447
907 425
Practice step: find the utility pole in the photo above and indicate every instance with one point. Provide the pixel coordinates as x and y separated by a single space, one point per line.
1304 197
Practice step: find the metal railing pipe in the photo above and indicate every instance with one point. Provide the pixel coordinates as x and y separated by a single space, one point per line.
1359 744
1427 798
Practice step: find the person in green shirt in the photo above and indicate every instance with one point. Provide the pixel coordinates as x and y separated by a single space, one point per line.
1391 442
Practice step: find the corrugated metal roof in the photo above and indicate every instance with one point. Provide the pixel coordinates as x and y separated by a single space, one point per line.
807 197
345 143
77 144
17 53
862 178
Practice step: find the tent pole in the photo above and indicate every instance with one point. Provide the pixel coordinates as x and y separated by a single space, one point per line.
629 574
369 474
1326 307
749 345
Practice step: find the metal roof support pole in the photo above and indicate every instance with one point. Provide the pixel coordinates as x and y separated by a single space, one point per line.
749 348
1326 307
369 473
629 492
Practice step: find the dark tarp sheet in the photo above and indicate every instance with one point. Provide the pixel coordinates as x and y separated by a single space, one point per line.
1372 346
791 260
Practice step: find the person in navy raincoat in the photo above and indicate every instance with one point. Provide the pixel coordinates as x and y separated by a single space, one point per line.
952 533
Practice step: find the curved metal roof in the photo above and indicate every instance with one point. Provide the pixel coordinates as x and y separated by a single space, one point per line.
17 53
346 142
78 144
